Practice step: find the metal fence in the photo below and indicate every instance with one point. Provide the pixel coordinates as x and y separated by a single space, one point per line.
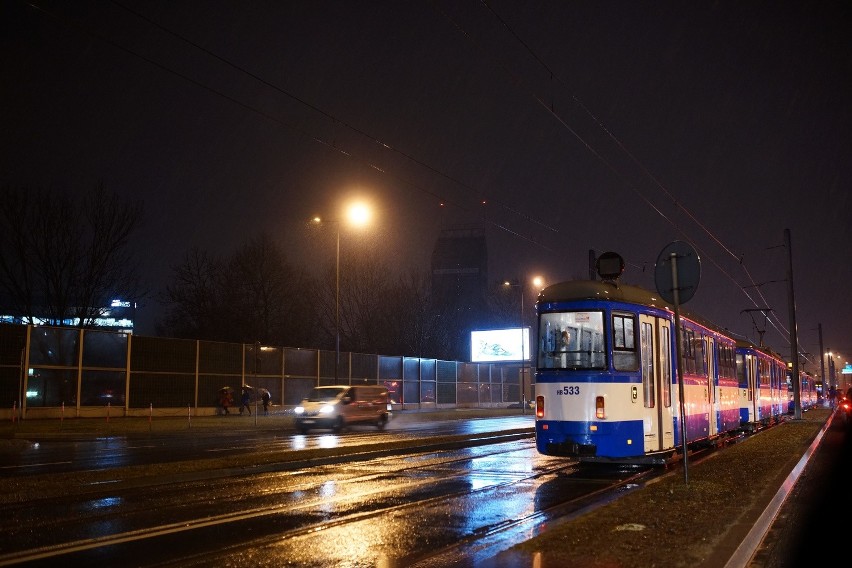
48 372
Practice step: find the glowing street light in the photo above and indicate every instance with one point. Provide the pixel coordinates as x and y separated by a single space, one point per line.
356 214
832 377
538 282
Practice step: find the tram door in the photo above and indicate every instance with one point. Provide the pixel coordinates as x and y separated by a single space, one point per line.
745 378
657 383
753 389
712 395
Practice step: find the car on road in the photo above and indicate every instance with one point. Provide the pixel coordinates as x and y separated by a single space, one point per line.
339 406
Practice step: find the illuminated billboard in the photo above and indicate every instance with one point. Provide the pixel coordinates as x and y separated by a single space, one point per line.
498 345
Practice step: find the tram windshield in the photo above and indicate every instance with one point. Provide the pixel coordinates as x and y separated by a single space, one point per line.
571 340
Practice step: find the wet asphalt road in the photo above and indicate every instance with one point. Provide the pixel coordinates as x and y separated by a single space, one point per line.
394 510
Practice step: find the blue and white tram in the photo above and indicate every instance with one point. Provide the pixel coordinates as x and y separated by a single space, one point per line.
606 377
763 392
808 396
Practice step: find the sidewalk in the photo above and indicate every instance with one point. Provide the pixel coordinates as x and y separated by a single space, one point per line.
755 504
804 530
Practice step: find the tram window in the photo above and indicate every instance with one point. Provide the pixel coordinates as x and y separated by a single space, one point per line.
648 375
732 364
665 367
726 364
622 332
571 340
625 356
700 356
687 354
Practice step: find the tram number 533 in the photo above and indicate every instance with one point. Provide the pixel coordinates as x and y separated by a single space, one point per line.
568 391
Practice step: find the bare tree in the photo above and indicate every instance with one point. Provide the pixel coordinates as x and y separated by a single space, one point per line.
407 316
381 315
252 295
192 301
364 285
265 293
256 295
63 258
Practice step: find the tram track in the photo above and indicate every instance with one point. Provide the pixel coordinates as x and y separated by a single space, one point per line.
472 551
294 506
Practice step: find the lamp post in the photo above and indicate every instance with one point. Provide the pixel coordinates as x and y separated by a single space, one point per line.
520 285
832 379
337 309
356 214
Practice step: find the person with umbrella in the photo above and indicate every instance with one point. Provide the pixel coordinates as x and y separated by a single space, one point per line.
225 399
245 401
265 397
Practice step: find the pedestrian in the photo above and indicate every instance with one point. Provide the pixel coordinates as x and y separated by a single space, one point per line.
265 398
245 401
225 400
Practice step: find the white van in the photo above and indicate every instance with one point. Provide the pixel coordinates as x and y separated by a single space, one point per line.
336 407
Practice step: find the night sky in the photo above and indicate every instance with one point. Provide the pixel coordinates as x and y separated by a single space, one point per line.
561 127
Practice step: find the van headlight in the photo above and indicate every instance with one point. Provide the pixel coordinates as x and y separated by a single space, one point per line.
326 409
299 410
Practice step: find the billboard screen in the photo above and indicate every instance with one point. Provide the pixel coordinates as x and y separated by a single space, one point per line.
498 345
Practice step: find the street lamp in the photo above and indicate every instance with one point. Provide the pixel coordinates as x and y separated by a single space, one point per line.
832 378
357 214
537 282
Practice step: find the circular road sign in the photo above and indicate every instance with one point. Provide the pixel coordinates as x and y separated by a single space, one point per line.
688 267
609 265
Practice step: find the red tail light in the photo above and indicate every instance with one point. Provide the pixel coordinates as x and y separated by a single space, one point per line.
600 410
539 406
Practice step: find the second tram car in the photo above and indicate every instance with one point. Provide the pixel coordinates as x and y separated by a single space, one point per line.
808 395
607 386
763 385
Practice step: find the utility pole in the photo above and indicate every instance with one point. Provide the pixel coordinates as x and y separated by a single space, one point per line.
825 385
794 339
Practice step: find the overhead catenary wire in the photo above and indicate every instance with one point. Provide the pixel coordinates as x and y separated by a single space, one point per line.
548 106
441 198
777 324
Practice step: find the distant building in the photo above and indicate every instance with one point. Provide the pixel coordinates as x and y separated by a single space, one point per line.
460 266
460 281
119 316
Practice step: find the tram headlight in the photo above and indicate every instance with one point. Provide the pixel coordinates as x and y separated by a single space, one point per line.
600 410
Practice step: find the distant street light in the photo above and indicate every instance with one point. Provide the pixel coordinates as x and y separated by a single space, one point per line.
832 378
832 370
356 214
519 284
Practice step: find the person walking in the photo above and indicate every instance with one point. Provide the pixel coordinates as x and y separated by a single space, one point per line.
225 400
245 401
265 398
